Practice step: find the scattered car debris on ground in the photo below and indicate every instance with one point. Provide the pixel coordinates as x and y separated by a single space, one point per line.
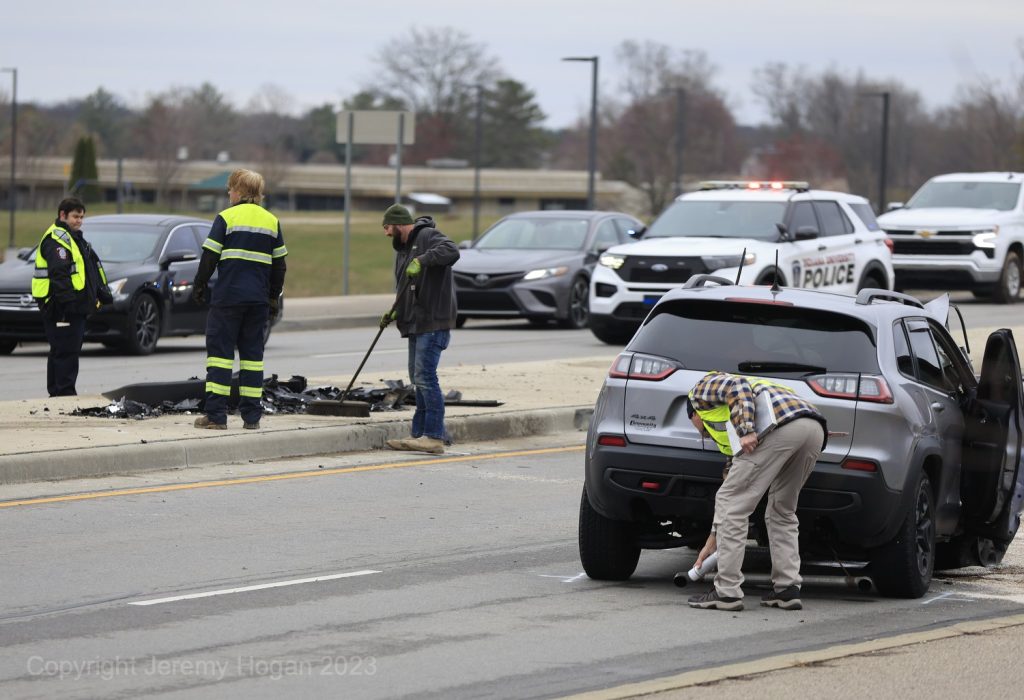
149 400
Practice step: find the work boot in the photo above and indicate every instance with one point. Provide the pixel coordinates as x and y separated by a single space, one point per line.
787 599
398 444
424 443
252 426
713 601
205 422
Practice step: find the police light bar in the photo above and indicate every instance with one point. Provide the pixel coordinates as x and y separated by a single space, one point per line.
798 185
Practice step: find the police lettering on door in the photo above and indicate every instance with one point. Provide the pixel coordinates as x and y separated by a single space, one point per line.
826 271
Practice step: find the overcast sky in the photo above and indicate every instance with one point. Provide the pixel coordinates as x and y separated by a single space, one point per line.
321 51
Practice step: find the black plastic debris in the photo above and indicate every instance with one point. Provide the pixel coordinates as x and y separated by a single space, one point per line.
151 399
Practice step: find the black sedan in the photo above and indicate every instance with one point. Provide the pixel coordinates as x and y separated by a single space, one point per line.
150 260
536 265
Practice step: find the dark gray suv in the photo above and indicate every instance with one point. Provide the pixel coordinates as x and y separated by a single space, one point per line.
922 469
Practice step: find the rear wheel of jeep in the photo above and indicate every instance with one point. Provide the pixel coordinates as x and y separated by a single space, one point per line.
1007 289
903 567
608 549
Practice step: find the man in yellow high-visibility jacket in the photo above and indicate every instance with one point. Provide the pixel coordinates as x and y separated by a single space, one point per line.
247 249
68 284
778 462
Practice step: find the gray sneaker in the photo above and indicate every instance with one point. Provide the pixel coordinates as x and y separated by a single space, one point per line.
787 599
713 601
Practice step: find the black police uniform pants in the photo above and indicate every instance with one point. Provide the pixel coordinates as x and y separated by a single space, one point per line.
65 347
228 328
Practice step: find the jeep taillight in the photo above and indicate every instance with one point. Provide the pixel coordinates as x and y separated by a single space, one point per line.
856 387
643 367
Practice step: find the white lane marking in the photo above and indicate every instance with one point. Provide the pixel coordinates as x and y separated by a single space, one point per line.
245 589
947 595
360 353
565 579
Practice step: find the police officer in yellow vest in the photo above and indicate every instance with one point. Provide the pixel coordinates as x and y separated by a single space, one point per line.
246 248
777 462
68 284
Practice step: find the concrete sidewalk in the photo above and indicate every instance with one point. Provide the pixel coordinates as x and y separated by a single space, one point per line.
321 313
40 440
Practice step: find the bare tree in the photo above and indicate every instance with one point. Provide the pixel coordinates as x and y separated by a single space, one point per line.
433 71
158 135
276 135
642 129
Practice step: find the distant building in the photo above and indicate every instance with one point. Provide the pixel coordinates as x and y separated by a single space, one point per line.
202 185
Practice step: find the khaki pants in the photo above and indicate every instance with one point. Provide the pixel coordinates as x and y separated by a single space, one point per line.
779 465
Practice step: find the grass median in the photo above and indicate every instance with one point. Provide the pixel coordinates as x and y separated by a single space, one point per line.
315 245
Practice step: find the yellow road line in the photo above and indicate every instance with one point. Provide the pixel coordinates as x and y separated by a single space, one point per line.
792 660
279 477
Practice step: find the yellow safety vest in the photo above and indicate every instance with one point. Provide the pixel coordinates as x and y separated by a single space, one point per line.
41 275
715 419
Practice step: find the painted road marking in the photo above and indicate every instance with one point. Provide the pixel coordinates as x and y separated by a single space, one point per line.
565 579
800 658
282 477
259 587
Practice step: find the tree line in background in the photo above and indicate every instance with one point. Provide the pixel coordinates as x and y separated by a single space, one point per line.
825 125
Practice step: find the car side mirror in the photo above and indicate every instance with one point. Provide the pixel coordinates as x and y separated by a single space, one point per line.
465 244
25 253
637 233
893 206
805 233
177 256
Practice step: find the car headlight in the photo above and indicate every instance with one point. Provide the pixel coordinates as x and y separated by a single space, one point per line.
545 273
117 288
612 261
986 238
718 262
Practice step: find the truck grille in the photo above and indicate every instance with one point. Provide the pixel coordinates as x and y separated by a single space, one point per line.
17 301
660 270
933 247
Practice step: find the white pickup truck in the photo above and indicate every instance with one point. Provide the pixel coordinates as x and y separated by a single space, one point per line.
961 231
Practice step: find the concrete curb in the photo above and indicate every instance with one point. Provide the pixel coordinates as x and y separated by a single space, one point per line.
281 444
325 323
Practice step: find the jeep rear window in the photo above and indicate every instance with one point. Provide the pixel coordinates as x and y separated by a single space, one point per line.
1001 196
707 335
722 219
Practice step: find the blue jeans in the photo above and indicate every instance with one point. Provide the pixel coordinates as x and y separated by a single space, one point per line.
424 356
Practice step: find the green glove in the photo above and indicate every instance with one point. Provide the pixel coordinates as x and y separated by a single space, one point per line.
387 318
414 268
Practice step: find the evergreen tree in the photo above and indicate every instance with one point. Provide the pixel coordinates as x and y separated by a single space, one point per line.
512 132
84 176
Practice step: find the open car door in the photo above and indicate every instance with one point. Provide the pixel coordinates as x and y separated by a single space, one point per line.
991 479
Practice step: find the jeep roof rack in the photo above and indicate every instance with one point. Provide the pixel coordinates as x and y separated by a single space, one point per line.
755 185
868 296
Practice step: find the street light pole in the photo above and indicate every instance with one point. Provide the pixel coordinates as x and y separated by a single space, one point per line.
680 129
592 147
477 143
883 165
14 150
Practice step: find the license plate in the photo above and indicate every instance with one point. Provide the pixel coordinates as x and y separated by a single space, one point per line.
651 299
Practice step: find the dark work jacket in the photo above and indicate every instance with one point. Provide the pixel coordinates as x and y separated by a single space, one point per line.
64 299
428 303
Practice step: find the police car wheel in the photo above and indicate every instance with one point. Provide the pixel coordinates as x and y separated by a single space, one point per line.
7 346
871 281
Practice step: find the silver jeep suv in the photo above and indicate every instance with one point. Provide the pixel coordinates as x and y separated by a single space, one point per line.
922 469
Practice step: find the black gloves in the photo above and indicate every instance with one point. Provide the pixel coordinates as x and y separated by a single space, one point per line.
275 309
201 294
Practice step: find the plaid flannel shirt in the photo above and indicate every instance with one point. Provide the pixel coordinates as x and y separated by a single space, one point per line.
717 388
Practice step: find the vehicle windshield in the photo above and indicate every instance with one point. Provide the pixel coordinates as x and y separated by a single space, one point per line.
1001 196
535 234
118 243
719 219
780 340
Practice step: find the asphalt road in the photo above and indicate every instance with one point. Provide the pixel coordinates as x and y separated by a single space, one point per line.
321 353
453 577
324 353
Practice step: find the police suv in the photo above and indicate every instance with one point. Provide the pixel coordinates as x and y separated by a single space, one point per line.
756 232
